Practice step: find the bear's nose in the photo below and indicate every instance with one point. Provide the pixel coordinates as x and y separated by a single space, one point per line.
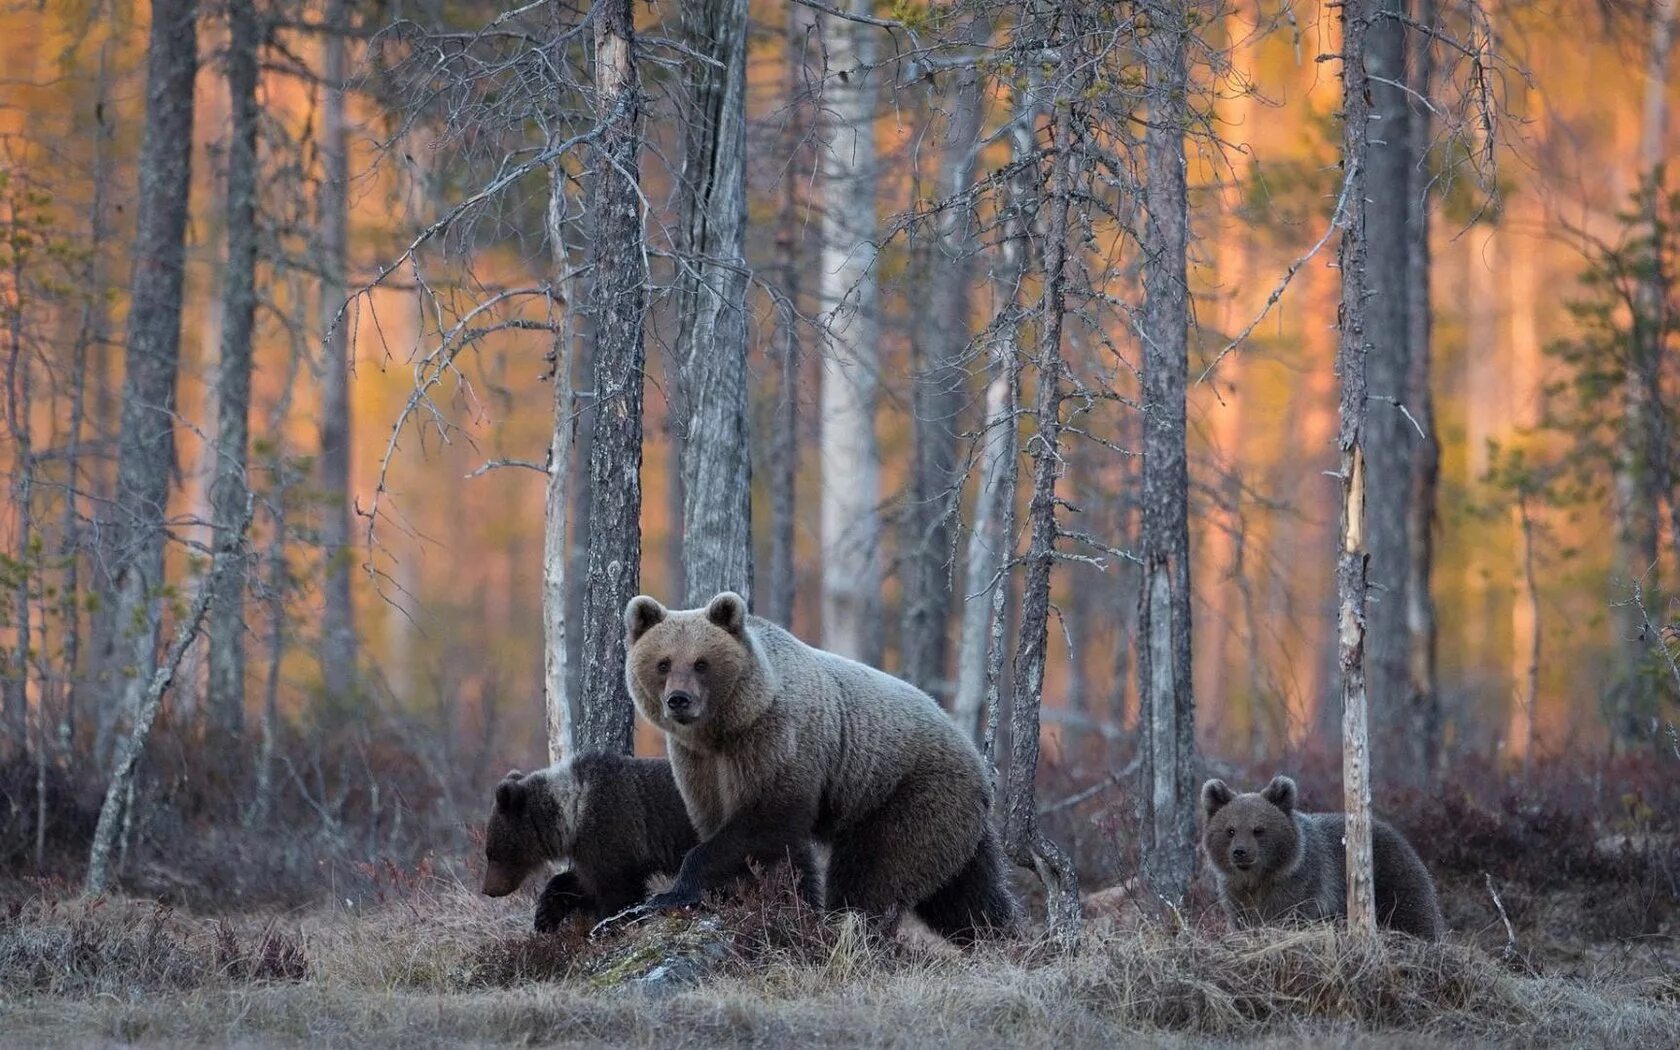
1239 852
679 702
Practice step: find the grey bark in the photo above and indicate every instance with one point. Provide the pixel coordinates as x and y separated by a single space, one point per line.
1167 703
617 304
1423 704
116 812
1390 440
1351 557
939 345
230 487
146 439
19 369
711 309
558 706
851 525
338 629
1024 841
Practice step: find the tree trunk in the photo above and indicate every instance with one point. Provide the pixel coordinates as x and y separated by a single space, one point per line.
557 697
146 441
851 525
1351 558
338 630
618 304
116 812
19 371
1025 843
784 447
711 309
1390 440
233 383
1423 703
939 345
1164 629
1523 725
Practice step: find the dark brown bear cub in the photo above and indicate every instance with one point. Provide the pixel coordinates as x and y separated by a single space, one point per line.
618 820
1274 864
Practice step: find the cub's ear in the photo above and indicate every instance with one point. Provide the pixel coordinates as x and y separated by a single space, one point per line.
641 615
1280 793
729 611
1215 794
510 793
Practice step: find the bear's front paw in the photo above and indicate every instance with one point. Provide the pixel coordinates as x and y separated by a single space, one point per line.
671 900
561 899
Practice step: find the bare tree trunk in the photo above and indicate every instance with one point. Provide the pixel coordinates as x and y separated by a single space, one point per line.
1025 843
146 443
1351 557
851 523
1524 722
233 384
1164 629
784 446
940 338
1423 702
1390 441
117 810
711 309
618 302
338 629
557 698
19 394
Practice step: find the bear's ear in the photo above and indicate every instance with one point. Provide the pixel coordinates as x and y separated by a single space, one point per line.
729 611
510 793
1215 794
640 616
1280 793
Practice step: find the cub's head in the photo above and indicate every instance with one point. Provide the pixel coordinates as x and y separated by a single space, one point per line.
1252 835
685 667
528 827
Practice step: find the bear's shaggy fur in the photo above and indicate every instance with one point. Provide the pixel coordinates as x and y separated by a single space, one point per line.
776 744
1274 864
618 820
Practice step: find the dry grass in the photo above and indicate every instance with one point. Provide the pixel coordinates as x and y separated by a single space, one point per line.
445 967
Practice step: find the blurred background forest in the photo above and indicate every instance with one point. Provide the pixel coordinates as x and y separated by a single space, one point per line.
400 264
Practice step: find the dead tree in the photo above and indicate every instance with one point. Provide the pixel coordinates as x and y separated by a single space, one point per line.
1163 658
558 701
711 308
617 307
851 520
229 489
1352 560
146 442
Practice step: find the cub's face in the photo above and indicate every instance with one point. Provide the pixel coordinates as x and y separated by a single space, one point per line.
1252 835
514 845
683 667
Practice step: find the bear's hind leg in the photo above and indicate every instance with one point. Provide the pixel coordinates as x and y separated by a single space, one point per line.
977 903
901 854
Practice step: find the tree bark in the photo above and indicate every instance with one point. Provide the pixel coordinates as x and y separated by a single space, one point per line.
230 488
711 309
618 304
557 698
338 629
1357 17
146 439
939 344
851 525
1390 441
19 411
1423 703
1164 628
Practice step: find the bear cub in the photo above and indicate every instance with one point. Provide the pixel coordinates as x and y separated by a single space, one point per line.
1274 864
618 820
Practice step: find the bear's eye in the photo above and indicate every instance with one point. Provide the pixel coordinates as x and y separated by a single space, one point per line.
1259 832
701 666
1230 833
665 666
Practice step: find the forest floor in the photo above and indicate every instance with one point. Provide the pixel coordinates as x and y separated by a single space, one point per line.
437 965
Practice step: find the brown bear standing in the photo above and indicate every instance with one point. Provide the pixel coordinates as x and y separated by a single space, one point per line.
1275 864
776 744
618 820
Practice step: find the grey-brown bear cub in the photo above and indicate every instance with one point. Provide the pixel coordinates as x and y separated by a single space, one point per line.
1274 864
617 820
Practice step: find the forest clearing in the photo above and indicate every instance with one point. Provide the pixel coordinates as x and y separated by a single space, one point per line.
839 522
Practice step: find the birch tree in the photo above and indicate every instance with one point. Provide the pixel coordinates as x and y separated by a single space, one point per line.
851 526
229 490
1163 659
711 309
